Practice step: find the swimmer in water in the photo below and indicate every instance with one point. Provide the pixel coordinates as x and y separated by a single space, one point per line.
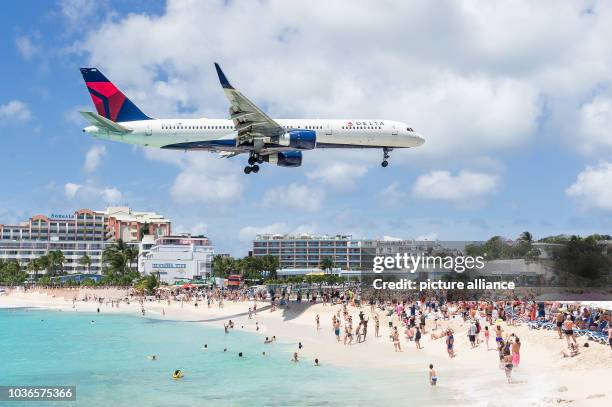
433 378
239 354
205 347
317 362
295 357
153 357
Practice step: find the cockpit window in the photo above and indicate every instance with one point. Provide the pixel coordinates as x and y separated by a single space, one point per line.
409 129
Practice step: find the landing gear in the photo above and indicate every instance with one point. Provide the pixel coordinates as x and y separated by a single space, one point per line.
386 155
249 169
255 158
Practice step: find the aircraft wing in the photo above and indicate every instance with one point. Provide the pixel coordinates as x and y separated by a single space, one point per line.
252 124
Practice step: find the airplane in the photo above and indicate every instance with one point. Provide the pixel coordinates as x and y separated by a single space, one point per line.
248 130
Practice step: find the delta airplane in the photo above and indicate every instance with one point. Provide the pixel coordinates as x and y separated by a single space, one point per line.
249 130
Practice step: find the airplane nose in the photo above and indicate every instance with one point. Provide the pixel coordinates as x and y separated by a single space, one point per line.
420 140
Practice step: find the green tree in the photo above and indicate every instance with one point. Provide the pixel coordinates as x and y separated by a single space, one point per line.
270 264
44 281
327 264
526 237
147 284
55 264
34 267
250 268
117 260
85 260
11 273
581 259
222 266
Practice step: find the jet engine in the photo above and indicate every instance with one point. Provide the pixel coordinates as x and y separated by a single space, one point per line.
299 139
285 158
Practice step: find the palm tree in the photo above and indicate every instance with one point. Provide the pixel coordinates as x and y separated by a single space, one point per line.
270 264
56 260
118 259
327 264
85 261
222 265
526 237
33 268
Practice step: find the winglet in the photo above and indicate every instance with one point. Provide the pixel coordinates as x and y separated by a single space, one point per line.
222 78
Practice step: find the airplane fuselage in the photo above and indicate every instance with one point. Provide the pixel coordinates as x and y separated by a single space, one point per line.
214 134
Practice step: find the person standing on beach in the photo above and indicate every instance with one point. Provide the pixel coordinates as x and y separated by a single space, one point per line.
433 377
568 328
507 360
337 330
560 317
417 338
396 340
377 326
450 343
486 335
516 349
499 336
318 322
472 334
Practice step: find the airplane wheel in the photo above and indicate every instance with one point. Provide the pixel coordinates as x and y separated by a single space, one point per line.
252 160
247 170
385 163
255 168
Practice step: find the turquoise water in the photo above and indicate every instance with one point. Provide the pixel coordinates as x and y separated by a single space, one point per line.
108 362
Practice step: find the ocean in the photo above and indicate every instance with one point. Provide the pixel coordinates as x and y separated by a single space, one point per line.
108 362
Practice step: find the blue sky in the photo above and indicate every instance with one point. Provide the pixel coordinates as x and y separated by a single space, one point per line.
516 121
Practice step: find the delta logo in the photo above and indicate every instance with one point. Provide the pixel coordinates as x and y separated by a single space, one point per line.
365 123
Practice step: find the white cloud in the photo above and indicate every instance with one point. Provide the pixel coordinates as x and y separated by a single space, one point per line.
248 233
592 187
295 196
15 110
111 195
92 193
442 185
595 130
26 47
204 178
193 187
340 175
393 194
93 158
76 12
71 189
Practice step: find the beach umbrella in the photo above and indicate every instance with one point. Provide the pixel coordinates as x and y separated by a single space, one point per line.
188 285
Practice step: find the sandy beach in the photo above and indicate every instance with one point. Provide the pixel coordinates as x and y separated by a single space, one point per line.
543 378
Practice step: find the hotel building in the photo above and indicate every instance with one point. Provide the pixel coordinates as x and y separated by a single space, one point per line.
177 258
301 254
114 223
83 232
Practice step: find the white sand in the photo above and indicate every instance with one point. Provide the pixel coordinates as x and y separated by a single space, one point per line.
543 378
